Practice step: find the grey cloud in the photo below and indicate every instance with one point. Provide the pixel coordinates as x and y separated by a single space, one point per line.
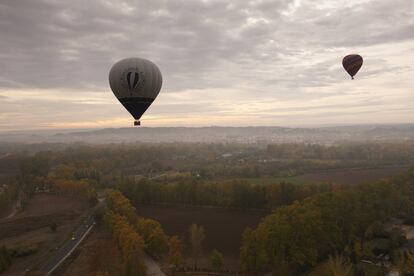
267 46
72 44
366 24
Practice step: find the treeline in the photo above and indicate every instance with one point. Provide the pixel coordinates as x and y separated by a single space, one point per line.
217 161
31 172
234 193
36 174
130 243
8 197
82 189
75 181
369 151
134 235
350 222
263 167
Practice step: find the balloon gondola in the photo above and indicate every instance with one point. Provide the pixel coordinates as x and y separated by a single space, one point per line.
135 82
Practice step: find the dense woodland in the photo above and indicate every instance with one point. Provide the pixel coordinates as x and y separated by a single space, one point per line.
227 193
348 222
213 161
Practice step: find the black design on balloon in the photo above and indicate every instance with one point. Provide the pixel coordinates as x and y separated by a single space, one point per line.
132 79
136 105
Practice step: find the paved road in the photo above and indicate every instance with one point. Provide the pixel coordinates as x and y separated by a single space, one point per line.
153 268
63 252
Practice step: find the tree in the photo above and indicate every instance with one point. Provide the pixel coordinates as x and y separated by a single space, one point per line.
253 254
216 260
196 238
406 264
156 241
338 266
130 243
118 203
175 252
5 258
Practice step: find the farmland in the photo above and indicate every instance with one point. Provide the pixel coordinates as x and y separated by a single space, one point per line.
223 227
345 176
225 188
30 229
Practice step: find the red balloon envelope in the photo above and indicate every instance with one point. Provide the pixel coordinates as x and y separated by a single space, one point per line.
352 64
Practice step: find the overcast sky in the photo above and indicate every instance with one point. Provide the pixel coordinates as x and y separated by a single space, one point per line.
224 62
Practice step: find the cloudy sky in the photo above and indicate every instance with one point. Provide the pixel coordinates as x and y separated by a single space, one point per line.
224 62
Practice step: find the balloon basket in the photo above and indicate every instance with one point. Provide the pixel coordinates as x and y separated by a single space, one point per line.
137 123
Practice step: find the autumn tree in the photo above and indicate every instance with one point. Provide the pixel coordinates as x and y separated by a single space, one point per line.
156 241
197 236
288 241
175 252
216 260
118 203
77 188
253 254
406 264
338 266
63 171
131 244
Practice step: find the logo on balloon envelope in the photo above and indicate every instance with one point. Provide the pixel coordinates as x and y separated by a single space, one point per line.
132 79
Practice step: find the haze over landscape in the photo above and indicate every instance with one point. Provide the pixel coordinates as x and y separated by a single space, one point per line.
245 135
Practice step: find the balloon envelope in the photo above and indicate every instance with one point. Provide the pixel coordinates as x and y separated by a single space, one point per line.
136 83
352 64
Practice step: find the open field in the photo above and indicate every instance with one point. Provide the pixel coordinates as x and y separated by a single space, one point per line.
340 176
30 228
49 204
223 227
350 176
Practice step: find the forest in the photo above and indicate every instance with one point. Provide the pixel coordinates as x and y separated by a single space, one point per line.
306 228
349 223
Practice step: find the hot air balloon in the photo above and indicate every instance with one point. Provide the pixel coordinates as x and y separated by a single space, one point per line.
352 64
136 83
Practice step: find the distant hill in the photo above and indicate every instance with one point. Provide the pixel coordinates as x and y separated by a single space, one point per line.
323 135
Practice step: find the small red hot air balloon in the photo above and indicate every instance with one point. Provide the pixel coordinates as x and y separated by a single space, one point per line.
352 64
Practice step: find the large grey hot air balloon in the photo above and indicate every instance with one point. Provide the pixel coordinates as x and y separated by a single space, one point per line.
136 83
